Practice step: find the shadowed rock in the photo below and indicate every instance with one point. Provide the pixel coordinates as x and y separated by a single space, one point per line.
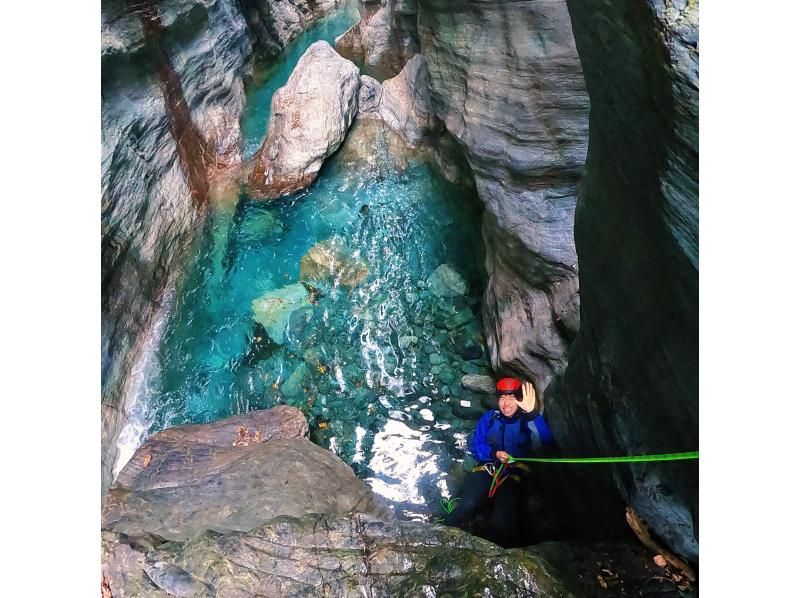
309 118
632 381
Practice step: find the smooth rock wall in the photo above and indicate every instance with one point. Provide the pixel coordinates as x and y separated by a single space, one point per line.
631 386
507 83
171 70
384 39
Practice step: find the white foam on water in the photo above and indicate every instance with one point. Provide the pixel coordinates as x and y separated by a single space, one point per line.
400 457
143 387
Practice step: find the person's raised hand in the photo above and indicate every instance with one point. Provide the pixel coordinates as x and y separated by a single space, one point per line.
528 402
502 456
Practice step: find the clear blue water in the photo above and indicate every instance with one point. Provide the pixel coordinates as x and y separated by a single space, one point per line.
375 366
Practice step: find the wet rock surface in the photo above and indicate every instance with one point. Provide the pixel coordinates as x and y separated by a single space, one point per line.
632 381
232 475
357 555
309 119
507 84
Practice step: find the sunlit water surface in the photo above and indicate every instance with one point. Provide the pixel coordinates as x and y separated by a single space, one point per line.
373 358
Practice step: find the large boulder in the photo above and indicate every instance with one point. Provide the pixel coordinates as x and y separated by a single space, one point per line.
309 118
506 82
274 309
331 261
172 456
231 479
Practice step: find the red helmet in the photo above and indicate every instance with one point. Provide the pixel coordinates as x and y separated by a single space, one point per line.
508 386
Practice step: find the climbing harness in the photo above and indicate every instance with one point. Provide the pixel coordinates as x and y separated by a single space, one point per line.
625 459
497 480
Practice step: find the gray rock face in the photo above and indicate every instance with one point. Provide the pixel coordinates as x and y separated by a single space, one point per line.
322 555
507 83
478 383
385 38
405 102
172 95
232 475
309 119
173 456
154 187
275 23
632 380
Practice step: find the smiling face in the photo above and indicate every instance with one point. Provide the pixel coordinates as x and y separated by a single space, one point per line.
507 403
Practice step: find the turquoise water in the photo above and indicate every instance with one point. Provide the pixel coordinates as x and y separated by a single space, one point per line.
372 356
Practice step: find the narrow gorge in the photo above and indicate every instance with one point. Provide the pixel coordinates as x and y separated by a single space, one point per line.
329 226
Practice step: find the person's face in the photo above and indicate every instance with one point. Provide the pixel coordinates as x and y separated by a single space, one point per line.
507 404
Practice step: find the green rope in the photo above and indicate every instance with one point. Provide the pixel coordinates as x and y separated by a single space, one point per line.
626 459
449 505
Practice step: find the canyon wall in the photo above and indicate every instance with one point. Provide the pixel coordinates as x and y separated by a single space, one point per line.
631 386
172 95
507 84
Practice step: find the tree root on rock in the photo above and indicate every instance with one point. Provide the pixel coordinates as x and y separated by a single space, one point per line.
664 558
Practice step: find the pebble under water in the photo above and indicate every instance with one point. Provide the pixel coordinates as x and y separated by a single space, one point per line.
322 301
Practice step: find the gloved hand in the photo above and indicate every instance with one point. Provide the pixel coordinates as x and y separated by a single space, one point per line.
528 402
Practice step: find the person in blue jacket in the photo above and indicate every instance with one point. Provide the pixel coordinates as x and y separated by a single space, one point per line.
516 428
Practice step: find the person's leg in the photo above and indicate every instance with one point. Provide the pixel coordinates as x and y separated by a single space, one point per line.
473 494
504 520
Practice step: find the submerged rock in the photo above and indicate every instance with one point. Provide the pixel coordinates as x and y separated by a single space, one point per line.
308 122
274 309
478 383
330 260
445 282
293 387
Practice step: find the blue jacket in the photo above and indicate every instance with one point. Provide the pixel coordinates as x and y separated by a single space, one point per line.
518 435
